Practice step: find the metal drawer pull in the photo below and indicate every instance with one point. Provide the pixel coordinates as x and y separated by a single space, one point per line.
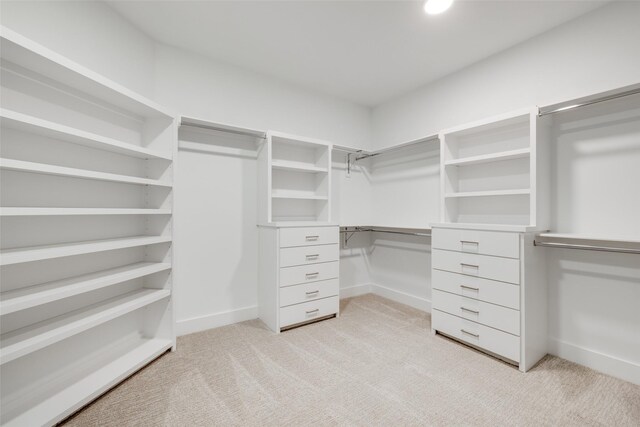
469 241
312 274
312 292
469 287
469 333
312 256
313 311
312 237
469 310
462 264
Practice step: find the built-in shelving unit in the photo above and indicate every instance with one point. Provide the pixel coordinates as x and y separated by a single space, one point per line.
86 198
492 171
295 179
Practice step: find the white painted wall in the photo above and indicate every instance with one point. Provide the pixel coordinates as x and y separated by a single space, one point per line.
90 33
216 191
590 54
593 297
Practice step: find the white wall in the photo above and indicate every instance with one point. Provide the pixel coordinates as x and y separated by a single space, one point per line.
594 319
216 190
593 53
90 33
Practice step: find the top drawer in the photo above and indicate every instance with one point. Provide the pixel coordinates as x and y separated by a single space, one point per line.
307 236
496 243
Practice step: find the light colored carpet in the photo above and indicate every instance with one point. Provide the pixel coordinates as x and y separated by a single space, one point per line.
377 364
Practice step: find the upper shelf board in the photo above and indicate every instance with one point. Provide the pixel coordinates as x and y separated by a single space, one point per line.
22 122
26 53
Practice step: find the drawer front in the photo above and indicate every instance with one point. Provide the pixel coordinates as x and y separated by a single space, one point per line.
498 342
306 236
308 292
309 273
488 267
494 243
308 311
495 316
304 255
500 293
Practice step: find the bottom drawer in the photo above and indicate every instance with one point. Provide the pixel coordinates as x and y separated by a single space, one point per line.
498 342
308 292
306 311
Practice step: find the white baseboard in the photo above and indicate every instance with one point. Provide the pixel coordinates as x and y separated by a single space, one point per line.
215 320
402 297
607 364
355 290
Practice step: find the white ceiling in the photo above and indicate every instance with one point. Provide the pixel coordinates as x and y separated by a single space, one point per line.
363 51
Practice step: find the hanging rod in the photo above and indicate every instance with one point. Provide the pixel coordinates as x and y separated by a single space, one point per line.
586 247
380 230
366 155
221 127
590 100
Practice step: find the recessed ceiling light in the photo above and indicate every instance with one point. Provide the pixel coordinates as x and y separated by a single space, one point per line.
434 7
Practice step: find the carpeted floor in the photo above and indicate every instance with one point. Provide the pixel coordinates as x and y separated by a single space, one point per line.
377 364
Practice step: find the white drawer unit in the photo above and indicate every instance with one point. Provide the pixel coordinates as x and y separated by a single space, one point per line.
480 336
488 267
298 274
495 316
500 293
304 255
308 311
309 273
308 292
494 243
305 236
489 291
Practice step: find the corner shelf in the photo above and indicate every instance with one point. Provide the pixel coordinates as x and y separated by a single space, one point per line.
487 158
23 122
47 169
298 196
36 211
296 167
26 340
38 253
488 193
33 296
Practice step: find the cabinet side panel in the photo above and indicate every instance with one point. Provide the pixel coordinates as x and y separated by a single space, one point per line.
268 277
533 303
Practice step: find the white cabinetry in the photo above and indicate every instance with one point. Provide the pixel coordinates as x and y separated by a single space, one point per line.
86 216
299 249
489 286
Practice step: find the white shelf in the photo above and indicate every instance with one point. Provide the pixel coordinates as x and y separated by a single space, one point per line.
296 195
23 122
73 397
493 157
37 253
28 211
297 167
42 168
488 193
33 56
32 296
482 226
32 338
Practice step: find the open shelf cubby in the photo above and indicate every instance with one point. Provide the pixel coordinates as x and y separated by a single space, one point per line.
492 173
294 179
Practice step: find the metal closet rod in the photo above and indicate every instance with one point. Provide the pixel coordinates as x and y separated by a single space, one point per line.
590 100
202 124
380 230
366 154
586 247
